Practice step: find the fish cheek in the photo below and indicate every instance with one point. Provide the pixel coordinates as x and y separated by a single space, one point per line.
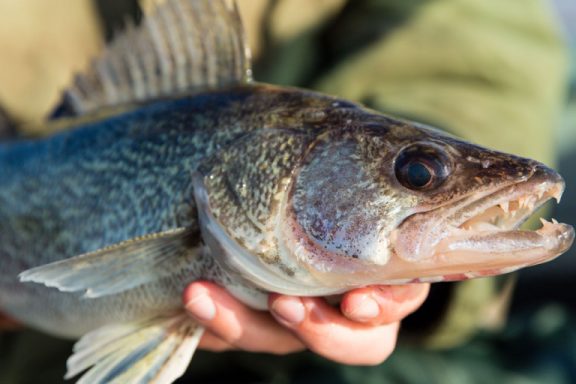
339 206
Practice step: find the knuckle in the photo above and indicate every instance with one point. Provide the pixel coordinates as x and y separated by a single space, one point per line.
390 313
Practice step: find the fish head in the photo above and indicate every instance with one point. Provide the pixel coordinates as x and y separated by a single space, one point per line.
328 196
388 202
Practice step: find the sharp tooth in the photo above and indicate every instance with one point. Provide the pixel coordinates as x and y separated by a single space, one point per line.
547 224
526 201
505 206
521 202
557 194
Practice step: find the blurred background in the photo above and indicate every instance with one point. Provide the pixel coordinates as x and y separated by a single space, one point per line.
502 74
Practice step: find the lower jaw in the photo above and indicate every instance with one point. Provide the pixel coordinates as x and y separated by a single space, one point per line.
468 264
468 275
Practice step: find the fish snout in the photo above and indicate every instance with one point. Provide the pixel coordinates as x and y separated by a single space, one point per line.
544 174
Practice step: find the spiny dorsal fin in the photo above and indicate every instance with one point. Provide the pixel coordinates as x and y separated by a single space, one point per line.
181 46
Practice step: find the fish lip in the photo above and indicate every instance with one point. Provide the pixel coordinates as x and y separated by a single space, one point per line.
445 223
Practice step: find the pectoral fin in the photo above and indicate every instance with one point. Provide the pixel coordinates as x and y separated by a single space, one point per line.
155 351
122 266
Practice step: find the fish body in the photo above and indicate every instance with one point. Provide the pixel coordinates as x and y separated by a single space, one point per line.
203 173
122 178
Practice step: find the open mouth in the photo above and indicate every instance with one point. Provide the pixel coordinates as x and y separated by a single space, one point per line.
481 235
508 209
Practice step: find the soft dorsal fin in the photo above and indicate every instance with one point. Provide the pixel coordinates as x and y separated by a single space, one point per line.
180 46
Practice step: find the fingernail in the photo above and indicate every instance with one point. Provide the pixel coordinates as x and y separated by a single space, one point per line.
201 307
366 308
289 309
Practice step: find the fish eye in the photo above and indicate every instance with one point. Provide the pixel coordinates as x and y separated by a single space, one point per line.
421 168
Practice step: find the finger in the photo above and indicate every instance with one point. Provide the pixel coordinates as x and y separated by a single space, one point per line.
384 304
211 342
235 323
327 332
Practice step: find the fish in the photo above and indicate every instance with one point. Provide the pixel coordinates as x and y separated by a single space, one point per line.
169 163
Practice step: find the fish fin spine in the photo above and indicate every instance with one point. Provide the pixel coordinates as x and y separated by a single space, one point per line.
156 350
180 46
124 266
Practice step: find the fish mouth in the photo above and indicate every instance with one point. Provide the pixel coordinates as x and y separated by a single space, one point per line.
481 235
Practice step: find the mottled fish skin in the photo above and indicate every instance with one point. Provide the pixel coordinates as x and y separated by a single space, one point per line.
125 177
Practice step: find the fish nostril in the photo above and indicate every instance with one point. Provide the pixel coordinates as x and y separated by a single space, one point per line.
546 174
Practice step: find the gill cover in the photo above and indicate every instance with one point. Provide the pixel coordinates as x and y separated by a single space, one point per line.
238 193
336 208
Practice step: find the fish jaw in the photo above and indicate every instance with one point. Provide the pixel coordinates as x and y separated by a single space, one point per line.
480 235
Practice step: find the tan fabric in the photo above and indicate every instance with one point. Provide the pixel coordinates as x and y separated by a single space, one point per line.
43 43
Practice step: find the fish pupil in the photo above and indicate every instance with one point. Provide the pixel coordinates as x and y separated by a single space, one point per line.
418 175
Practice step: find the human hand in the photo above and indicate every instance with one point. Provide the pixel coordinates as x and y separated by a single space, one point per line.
362 332
7 323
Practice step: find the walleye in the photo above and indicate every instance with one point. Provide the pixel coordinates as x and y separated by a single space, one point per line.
175 165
